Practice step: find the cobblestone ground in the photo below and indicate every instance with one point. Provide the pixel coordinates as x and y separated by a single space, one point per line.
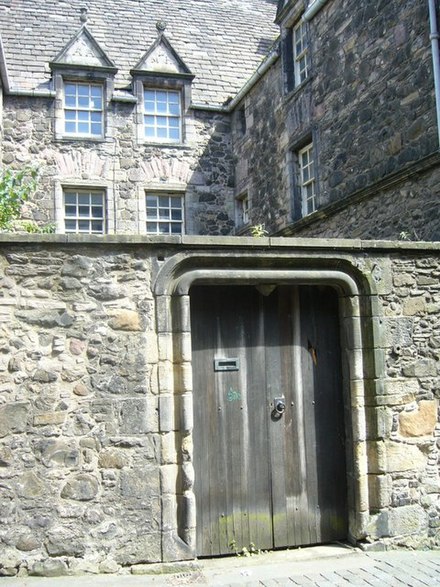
324 566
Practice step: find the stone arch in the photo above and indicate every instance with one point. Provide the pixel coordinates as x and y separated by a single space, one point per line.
172 288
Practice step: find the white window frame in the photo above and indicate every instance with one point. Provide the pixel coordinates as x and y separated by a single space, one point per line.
83 112
307 179
300 49
243 209
163 118
160 214
83 218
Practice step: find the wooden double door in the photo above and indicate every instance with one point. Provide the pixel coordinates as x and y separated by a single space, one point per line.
269 453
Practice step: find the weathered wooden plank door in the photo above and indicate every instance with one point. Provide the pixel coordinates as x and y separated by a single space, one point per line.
265 478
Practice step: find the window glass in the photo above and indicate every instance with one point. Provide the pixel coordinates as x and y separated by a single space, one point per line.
84 211
162 115
242 208
300 53
83 111
307 180
164 214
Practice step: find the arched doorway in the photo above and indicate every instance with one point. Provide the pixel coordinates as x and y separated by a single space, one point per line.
269 434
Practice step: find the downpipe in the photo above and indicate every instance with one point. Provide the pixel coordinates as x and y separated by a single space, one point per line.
434 36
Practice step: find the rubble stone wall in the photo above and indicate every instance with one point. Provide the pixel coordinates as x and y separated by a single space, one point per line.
201 168
368 108
88 474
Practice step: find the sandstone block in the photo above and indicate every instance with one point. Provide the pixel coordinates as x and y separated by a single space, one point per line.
376 456
414 306
28 542
111 459
141 549
404 457
379 487
49 568
48 418
30 486
421 368
409 519
406 389
81 390
133 416
13 418
141 483
6 456
168 478
127 320
61 542
419 422
109 566
81 487
57 453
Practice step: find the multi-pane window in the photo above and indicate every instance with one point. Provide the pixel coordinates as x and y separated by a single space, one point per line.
242 209
84 211
300 53
164 214
83 109
307 180
162 115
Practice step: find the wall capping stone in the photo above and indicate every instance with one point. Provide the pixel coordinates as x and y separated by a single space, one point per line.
296 243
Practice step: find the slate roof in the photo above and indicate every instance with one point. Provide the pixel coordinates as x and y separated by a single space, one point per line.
221 41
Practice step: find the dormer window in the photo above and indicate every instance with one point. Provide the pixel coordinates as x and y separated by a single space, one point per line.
162 85
83 80
162 115
83 109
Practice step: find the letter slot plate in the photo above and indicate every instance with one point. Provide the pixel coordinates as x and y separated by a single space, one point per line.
226 364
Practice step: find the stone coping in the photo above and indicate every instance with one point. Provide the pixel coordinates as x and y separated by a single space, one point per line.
221 241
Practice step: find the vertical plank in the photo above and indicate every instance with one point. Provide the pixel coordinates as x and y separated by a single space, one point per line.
231 463
320 335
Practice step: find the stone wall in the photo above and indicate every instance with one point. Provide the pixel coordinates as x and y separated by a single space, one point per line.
201 169
92 463
406 209
78 418
368 106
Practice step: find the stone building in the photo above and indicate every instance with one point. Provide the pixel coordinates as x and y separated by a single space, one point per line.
341 133
123 103
312 118
169 386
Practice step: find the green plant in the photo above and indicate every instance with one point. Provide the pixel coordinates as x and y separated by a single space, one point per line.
31 227
408 236
16 187
258 230
252 550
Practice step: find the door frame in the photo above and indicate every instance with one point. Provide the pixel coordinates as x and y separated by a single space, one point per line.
172 293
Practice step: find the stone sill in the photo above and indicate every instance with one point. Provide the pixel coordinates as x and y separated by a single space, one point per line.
220 241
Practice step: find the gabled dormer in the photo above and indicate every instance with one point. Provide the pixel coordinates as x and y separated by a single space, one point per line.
161 58
162 85
83 77
83 52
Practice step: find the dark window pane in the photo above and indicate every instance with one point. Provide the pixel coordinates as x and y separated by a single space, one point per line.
96 199
70 210
152 227
70 225
84 225
83 199
97 226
